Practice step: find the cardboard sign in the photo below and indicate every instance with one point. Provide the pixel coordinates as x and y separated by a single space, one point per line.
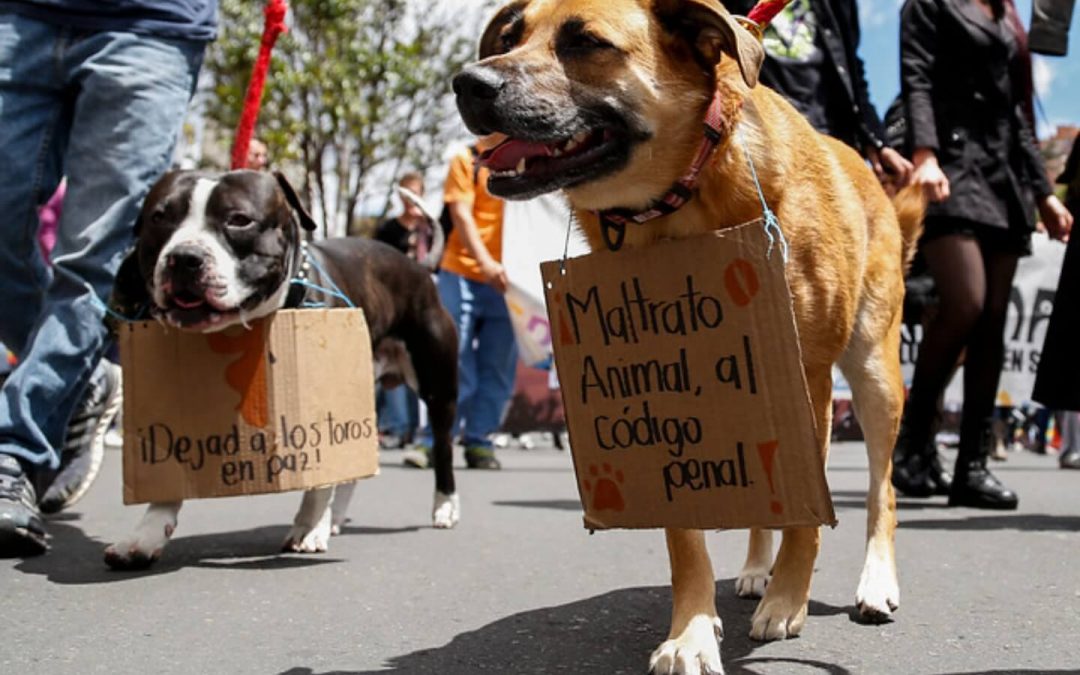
683 386
286 405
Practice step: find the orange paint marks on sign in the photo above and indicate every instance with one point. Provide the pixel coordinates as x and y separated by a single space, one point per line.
247 374
607 495
741 282
565 336
767 451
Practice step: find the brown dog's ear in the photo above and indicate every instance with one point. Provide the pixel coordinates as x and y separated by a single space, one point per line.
306 220
712 31
491 40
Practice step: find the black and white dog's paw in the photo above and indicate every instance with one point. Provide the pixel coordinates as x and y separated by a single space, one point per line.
142 548
305 538
339 507
447 511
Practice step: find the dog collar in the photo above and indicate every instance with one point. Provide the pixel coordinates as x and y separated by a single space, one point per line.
308 262
298 282
613 222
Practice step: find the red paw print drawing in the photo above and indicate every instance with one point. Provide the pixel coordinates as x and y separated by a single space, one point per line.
603 484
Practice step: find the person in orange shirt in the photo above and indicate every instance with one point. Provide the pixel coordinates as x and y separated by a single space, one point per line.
471 283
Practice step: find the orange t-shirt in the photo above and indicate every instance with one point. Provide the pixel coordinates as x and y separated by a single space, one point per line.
487 211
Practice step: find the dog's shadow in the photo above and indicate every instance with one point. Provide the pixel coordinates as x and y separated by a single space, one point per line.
76 559
609 633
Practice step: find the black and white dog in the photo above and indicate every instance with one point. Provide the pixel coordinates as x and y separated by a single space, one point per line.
216 250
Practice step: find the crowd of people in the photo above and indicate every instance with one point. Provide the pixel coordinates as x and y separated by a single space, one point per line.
95 94
967 138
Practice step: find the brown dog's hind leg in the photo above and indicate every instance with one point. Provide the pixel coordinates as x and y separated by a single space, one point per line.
755 573
873 369
693 644
782 611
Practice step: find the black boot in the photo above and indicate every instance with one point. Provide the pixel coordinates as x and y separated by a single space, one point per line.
973 485
913 471
939 475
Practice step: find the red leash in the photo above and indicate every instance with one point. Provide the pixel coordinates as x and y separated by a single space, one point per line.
274 26
764 11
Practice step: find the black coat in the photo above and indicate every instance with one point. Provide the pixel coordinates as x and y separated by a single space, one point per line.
838 21
1057 384
1050 26
960 79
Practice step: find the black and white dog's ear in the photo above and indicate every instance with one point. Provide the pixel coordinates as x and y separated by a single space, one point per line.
290 195
130 297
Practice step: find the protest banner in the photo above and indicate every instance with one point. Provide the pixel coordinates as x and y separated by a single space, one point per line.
1031 302
534 230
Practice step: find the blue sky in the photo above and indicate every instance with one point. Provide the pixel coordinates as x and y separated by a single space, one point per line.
1057 79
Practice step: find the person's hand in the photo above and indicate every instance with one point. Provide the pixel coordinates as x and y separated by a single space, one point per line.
929 175
1055 217
494 274
892 169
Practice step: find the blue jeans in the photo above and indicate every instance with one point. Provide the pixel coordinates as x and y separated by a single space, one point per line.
487 356
397 410
104 109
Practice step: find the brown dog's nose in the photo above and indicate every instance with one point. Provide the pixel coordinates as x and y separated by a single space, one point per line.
478 88
478 83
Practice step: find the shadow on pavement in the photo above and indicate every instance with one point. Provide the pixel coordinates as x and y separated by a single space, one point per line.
1040 671
856 499
461 466
610 633
557 504
77 559
842 499
1024 522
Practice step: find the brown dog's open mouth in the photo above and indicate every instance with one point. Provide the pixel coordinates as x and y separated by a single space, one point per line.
523 168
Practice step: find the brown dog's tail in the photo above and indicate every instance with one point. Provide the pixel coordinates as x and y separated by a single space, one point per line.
910 207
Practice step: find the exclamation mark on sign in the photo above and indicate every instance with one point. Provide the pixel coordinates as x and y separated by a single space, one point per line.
767 451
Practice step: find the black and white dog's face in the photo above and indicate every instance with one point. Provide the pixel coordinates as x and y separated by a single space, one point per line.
213 250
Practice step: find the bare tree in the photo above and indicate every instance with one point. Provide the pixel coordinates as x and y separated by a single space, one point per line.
356 88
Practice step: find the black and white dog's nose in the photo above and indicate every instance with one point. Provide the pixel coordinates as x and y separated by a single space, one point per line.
185 260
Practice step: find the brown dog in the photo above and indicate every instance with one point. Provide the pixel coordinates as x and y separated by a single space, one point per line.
605 100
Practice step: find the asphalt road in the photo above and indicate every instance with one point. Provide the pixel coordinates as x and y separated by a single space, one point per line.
520 587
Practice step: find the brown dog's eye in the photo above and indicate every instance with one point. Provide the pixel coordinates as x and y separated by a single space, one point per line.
574 39
590 41
507 41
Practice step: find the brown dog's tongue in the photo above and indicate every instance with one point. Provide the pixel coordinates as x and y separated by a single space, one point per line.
507 154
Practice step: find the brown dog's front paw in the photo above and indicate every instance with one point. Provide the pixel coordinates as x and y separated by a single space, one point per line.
777 618
878 595
751 583
696 651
